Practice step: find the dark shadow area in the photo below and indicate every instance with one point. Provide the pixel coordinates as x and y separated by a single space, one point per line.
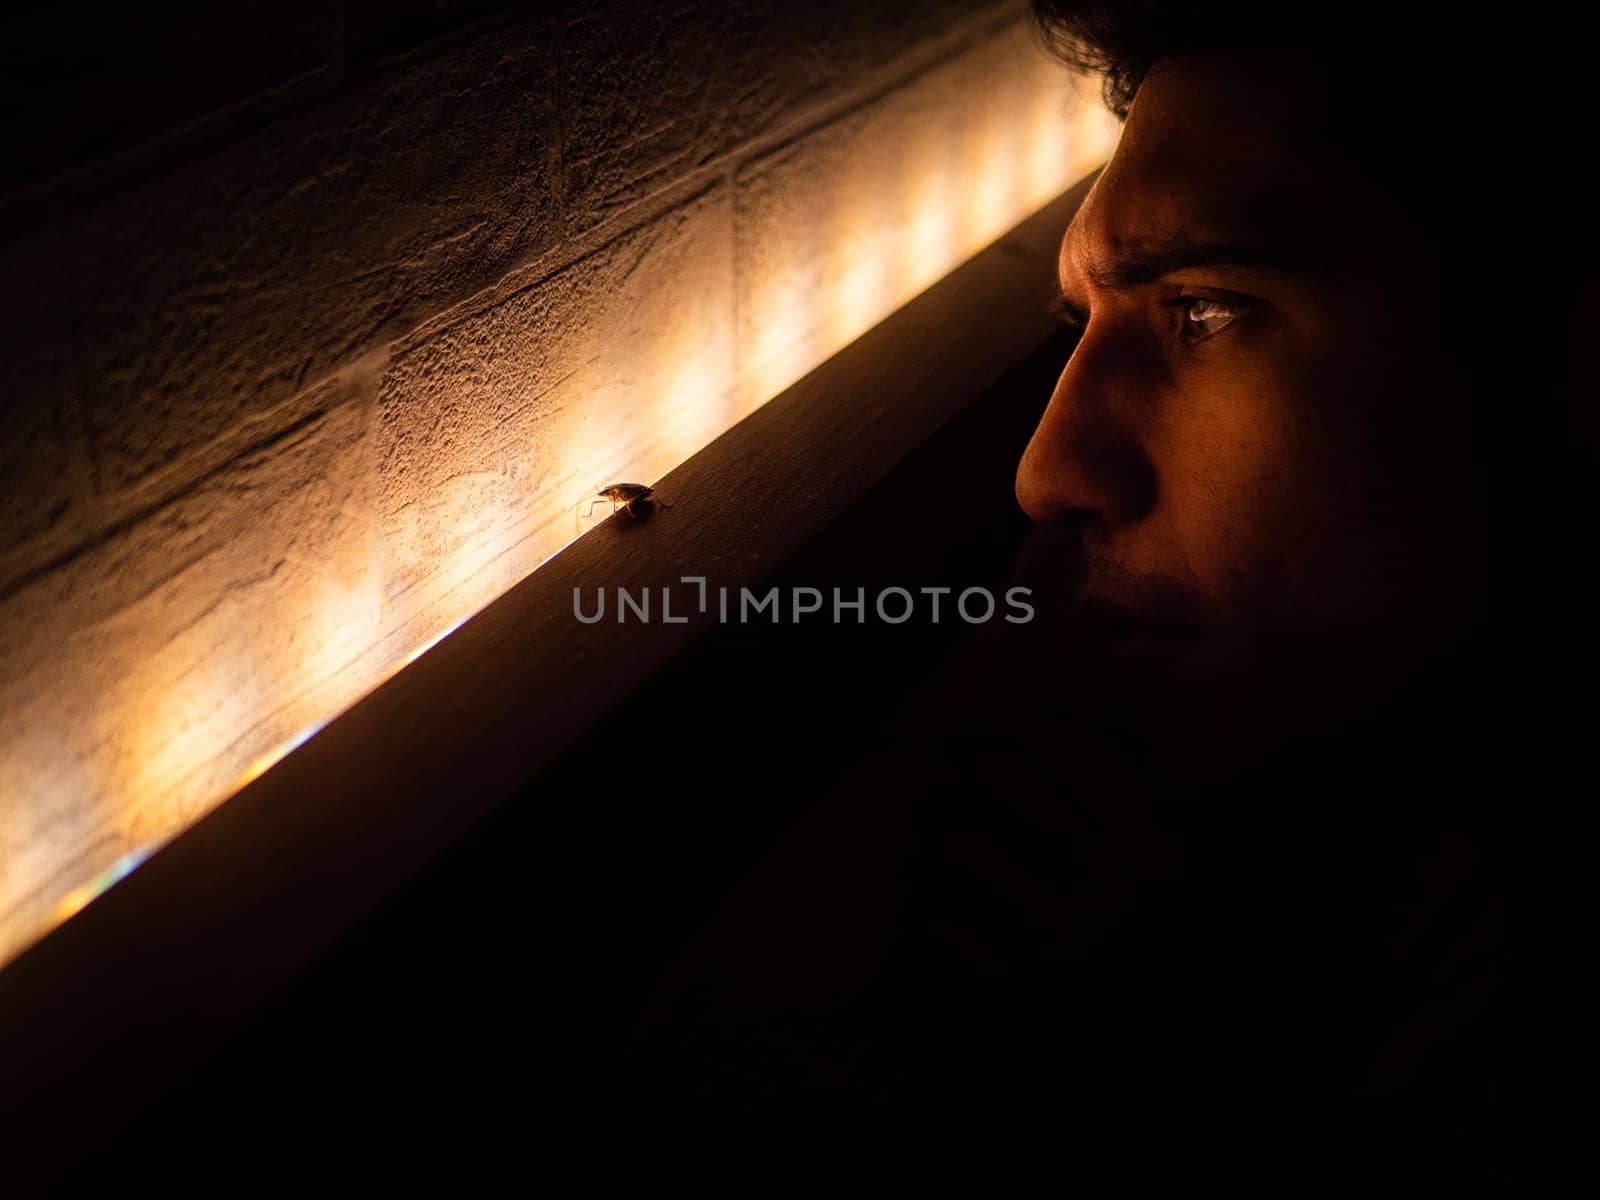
491 996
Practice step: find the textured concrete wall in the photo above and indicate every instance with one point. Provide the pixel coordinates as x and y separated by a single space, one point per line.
320 319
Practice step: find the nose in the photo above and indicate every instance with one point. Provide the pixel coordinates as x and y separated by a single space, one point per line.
1085 460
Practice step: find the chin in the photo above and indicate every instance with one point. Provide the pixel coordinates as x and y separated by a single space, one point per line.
1213 710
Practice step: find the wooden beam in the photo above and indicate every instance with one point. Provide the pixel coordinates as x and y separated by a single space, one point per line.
109 1008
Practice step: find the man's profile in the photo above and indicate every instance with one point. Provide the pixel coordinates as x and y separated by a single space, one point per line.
1229 841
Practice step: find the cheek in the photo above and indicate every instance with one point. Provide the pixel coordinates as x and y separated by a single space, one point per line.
1253 487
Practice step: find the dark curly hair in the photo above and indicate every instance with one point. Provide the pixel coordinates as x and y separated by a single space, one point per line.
1121 40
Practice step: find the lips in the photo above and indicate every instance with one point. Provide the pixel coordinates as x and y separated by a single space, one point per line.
1123 621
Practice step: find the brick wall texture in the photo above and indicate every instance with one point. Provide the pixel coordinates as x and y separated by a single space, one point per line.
321 317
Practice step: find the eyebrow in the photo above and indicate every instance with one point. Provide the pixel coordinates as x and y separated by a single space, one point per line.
1151 262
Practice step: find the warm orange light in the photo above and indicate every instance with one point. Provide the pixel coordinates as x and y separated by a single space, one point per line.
668 355
75 900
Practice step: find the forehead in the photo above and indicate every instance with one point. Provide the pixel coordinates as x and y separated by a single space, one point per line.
1223 148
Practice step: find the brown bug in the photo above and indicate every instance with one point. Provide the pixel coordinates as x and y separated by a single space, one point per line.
631 499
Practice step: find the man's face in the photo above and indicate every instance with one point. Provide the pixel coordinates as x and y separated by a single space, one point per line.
1253 441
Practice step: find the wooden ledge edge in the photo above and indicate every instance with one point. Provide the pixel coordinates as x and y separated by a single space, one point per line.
107 1009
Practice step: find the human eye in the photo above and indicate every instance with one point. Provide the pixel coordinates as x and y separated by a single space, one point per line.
1204 317
1068 314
